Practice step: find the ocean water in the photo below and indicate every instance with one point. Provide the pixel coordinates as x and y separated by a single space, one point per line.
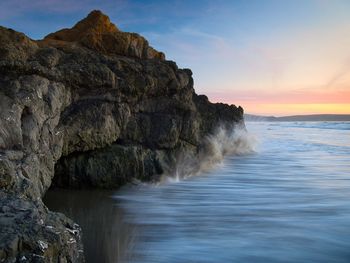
287 201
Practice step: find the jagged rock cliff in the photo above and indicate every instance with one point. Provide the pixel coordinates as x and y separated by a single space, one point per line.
89 106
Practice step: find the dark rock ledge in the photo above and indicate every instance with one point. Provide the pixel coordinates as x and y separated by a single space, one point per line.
89 106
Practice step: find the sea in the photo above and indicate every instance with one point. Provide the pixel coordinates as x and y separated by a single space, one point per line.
285 197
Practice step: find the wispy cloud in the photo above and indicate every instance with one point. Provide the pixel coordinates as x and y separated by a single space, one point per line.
314 95
339 74
13 8
10 8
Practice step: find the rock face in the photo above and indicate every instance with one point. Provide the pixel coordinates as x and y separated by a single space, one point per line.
89 106
96 32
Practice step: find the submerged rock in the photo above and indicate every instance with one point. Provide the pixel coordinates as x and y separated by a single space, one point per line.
89 106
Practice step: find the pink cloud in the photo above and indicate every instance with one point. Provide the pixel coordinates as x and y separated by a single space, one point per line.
300 96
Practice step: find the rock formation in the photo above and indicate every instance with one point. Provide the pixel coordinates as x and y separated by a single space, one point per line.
89 106
96 32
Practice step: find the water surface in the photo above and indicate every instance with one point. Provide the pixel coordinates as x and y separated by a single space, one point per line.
288 202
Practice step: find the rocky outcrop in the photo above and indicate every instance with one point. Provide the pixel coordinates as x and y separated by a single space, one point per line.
89 106
96 32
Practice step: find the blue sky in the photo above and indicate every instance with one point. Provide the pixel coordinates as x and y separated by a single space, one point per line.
270 56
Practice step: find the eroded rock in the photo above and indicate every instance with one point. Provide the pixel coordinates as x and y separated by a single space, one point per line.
96 32
97 107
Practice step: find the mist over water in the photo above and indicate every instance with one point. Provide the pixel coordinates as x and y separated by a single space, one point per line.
286 199
223 142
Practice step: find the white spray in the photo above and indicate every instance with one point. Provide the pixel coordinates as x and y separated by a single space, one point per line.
224 141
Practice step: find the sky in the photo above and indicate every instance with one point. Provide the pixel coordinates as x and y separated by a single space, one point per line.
272 57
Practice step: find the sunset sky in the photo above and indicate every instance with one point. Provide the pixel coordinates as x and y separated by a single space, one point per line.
272 57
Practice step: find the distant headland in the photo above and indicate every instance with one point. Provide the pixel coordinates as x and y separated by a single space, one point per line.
312 117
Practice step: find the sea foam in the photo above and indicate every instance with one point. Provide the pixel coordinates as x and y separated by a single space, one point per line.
225 140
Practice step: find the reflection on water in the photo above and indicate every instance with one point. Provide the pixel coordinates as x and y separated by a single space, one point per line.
106 236
289 202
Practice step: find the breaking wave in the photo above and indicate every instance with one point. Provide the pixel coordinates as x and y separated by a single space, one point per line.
234 140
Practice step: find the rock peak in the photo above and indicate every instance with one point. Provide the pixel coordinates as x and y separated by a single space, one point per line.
98 33
96 21
96 13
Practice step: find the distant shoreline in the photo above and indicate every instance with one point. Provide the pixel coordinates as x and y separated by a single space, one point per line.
311 117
